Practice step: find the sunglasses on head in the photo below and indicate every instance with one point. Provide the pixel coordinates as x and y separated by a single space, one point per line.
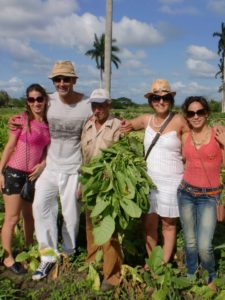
200 113
39 99
157 98
58 79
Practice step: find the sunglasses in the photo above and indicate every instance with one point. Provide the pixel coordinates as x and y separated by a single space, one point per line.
39 99
58 79
156 98
200 113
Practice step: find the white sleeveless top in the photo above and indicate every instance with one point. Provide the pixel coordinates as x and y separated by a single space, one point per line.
165 167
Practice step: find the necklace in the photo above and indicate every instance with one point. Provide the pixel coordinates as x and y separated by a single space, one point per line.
203 140
158 126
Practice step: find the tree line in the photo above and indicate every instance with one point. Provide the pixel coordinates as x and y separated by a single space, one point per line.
119 103
7 101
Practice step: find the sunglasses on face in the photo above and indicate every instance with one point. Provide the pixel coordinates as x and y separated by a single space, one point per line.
157 98
58 79
200 113
39 99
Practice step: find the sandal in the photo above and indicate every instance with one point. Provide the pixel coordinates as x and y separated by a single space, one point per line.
16 268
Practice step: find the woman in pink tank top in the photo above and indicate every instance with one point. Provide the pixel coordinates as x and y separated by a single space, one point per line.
200 188
23 156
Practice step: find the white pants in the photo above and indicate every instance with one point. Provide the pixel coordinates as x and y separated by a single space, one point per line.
45 210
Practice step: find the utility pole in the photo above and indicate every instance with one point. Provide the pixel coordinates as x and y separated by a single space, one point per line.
108 44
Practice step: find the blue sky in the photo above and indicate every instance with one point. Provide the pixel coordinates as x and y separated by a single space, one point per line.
169 39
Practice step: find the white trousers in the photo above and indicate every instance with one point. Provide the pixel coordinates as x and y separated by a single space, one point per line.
45 210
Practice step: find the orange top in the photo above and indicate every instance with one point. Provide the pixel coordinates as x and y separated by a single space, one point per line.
211 156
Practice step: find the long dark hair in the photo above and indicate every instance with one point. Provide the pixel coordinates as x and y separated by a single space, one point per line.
192 99
38 88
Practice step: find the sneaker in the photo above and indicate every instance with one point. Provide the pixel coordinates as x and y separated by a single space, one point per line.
43 270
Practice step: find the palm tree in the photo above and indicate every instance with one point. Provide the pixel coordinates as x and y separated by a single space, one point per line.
98 53
221 65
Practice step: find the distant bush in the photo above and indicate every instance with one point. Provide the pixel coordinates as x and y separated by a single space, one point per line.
122 103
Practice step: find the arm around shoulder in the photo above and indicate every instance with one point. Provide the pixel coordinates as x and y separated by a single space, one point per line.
138 123
183 124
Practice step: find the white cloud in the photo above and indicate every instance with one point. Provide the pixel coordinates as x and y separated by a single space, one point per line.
73 31
13 87
193 88
21 50
179 11
177 86
218 6
201 52
56 23
131 32
134 64
127 54
24 16
78 32
88 70
201 68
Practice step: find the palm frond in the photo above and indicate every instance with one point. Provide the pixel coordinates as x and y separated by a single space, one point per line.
98 52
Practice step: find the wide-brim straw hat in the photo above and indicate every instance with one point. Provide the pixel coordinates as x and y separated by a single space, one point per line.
63 68
160 87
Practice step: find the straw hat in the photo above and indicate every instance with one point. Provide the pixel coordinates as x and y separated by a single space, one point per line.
64 68
160 87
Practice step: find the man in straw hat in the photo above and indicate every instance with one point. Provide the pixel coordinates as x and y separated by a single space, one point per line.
67 114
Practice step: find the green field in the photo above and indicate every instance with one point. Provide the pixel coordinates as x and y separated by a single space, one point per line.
75 279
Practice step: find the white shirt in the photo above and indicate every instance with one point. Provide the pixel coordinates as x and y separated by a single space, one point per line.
66 122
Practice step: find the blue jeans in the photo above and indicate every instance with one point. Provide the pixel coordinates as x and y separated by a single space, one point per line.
198 219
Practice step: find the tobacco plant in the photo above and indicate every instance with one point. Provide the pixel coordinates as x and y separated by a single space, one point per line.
116 187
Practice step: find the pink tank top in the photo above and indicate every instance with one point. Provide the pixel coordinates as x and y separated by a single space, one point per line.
211 156
30 144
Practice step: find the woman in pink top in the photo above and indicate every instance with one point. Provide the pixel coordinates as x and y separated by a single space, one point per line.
23 154
200 188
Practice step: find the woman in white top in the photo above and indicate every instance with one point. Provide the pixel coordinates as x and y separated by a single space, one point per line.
164 164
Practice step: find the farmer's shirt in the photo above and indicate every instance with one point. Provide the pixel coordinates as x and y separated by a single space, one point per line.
92 141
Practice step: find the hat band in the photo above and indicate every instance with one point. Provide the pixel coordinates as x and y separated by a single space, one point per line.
161 91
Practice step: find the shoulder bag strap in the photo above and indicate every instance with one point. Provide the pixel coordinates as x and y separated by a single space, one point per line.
158 134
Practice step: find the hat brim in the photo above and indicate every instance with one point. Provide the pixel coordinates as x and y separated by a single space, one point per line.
62 74
98 100
161 94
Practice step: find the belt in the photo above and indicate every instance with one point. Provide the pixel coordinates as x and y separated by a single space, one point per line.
197 191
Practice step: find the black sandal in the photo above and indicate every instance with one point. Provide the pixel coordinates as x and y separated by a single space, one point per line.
17 268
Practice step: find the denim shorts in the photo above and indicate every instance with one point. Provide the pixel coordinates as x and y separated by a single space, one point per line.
14 181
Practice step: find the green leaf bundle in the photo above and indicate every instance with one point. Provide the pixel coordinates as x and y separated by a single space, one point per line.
116 187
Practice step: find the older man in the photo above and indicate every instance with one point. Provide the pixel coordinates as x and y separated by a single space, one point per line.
67 114
100 132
